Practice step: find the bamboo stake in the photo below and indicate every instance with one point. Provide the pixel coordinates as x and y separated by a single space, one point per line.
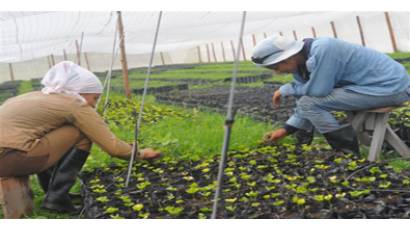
391 32
123 59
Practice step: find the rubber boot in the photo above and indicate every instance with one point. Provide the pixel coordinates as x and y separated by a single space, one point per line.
62 179
304 137
44 181
344 140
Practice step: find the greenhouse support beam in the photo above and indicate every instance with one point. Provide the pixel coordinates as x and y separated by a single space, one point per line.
123 59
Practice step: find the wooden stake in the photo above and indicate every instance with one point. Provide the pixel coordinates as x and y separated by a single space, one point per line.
198 49
294 35
243 51
254 40
162 58
213 52
233 50
280 33
333 29
208 53
314 32
124 62
49 62
359 24
223 51
11 72
265 35
65 55
77 46
53 61
86 61
391 32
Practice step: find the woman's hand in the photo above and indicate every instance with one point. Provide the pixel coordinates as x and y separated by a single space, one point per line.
275 135
149 154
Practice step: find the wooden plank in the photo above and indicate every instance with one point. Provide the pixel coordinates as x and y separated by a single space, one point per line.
15 197
370 121
378 136
391 32
397 143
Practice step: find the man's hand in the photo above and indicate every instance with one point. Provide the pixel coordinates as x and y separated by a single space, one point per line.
276 99
275 135
149 154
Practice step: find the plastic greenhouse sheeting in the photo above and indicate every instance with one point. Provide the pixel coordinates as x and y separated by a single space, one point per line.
27 39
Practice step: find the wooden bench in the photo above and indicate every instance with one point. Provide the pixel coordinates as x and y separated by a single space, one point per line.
15 197
373 129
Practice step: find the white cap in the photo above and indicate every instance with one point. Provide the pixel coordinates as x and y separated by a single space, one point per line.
275 49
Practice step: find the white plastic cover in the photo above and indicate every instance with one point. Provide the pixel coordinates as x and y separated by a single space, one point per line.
28 39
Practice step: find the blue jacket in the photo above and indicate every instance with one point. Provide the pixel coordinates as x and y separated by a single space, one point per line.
333 63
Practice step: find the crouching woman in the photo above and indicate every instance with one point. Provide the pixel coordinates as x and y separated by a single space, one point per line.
49 133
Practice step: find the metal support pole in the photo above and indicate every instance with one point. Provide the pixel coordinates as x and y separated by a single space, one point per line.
228 123
294 35
223 52
213 52
138 124
314 32
198 49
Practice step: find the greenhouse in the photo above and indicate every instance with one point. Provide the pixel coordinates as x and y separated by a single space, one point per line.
205 115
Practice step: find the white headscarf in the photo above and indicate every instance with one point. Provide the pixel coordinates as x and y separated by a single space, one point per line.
70 78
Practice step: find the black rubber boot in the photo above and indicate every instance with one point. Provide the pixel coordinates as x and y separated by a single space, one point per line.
62 179
304 137
344 140
44 181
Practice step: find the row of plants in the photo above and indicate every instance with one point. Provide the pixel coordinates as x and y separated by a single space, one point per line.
281 181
